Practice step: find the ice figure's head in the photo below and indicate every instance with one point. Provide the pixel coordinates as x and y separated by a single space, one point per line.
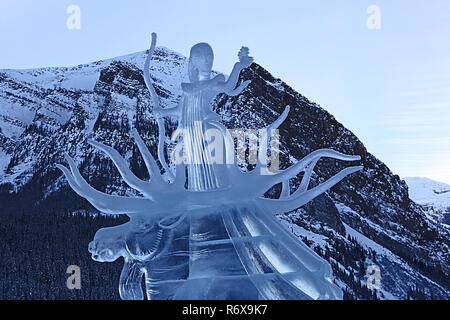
200 62
108 245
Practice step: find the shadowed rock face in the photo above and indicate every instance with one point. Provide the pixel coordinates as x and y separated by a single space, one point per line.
374 202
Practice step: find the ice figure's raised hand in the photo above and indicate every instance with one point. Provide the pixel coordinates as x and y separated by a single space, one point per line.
244 59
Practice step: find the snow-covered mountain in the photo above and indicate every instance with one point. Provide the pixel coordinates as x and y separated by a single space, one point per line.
434 196
367 219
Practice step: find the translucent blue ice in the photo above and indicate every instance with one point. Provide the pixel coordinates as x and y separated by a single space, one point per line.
219 237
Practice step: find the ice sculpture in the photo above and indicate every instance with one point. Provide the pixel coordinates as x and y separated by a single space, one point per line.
218 238
194 112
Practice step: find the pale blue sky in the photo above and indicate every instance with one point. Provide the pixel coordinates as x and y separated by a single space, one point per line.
391 86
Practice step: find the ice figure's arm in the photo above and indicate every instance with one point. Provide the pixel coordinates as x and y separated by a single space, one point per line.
298 198
172 112
229 86
231 83
105 203
239 89
130 283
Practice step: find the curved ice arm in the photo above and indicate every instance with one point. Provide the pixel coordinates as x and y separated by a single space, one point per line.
283 249
285 189
275 125
130 283
307 176
150 163
231 83
229 86
229 146
157 107
308 171
229 143
239 89
161 140
121 165
268 181
103 202
298 199
147 79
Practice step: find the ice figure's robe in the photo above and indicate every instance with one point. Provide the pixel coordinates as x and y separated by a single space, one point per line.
196 113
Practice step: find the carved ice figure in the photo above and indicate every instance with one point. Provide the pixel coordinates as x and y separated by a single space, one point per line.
209 241
194 112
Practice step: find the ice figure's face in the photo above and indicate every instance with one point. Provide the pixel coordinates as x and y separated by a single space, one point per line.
107 245
200 62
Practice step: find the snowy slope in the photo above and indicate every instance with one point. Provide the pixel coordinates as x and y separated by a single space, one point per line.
46 98
434 196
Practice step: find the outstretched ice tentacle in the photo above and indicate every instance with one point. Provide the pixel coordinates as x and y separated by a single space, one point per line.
150 163
309 169
307 176
299 199
147 79
128 176
103 202
277 123
292 171
229 143
268 130
285 189
161 139
230 154
156 105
